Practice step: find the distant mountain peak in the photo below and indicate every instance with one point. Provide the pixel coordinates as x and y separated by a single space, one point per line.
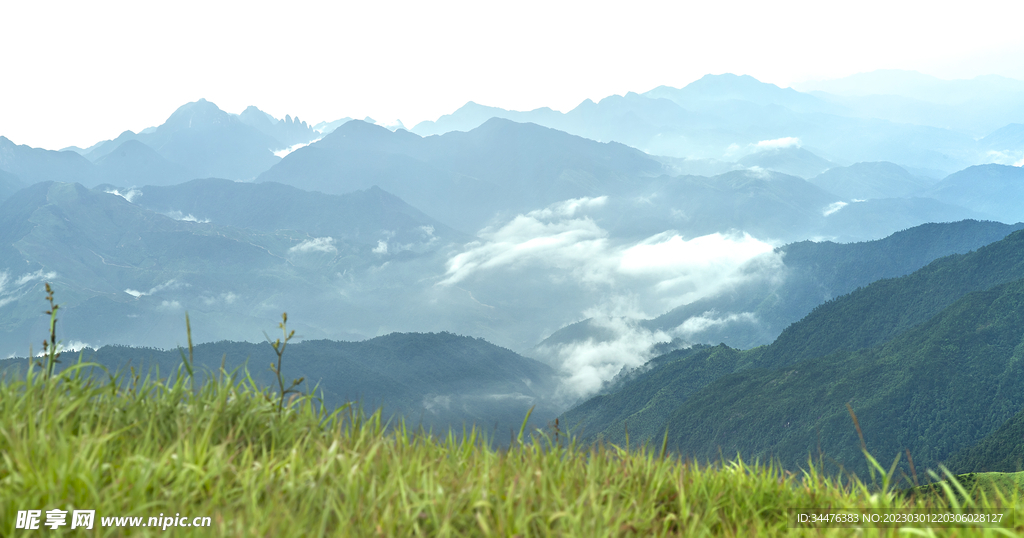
196 114
253 115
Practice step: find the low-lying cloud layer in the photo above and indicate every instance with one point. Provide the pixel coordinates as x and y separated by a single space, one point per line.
833 207
661 272
778 143
319 244
567 248
588 364
189 217
170 284
128 195
282 153
12 290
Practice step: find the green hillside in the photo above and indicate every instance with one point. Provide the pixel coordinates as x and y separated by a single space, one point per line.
644 401
876 313
933 390
229 460
817 272
927 364
1001 451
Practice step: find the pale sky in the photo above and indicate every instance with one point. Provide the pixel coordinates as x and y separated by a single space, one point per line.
74 73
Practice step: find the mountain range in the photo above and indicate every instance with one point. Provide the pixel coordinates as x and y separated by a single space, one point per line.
837 234
500 166
728 116
127 273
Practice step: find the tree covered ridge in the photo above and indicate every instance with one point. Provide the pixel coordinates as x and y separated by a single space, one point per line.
929 362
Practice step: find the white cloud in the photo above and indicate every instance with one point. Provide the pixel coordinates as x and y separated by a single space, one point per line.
170 284
381 248
568 208
178 215
130 195
620 342
284 152
169 305
778 143
758 172
38 275
833 207
631 280
435 402
587 365
570 245
319 244
77 345
669 254
11 291
707 320
664 270
1005 157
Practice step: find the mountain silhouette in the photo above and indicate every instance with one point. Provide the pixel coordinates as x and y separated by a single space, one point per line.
501 166
135 163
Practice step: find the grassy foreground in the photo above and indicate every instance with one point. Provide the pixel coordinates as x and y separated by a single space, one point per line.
226 450
258 464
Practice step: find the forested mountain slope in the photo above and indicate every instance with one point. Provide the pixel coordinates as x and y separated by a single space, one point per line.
929 361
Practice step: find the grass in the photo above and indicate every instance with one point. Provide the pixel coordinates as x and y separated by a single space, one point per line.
258 465
975 486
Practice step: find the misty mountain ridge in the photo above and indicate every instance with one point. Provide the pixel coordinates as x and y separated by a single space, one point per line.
32 165
288 131
712 115
500 166
268 207
9 184
133 162
975 106
916 85
727 86
756 312
792 160
865 181
992 188
440 381
206 141
127 273
464 174
1008 137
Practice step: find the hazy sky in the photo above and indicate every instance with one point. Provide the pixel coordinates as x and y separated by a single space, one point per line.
78 72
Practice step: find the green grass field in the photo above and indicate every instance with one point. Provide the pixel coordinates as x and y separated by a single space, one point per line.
217 445
226 450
